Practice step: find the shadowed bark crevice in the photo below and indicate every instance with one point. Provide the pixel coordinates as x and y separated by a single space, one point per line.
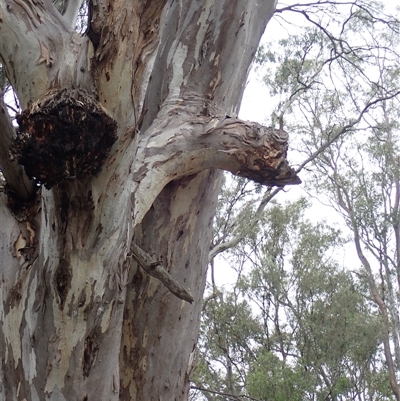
91 349
18 184
62 281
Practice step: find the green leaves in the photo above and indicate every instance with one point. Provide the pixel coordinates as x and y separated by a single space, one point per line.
272 379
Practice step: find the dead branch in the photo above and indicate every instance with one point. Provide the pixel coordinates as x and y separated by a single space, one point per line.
157 270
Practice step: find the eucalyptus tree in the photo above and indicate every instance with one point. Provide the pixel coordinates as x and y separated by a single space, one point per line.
295 325
361 176
340 93
111 187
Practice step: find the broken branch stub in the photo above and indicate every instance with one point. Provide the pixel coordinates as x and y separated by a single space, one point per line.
65 136
157 270
265 157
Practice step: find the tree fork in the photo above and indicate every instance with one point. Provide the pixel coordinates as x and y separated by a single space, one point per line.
85 324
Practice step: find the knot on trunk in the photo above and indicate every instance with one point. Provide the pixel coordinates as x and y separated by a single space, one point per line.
64 136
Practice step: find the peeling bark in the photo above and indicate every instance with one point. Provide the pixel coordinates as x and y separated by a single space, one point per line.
78 318
174 149
39 51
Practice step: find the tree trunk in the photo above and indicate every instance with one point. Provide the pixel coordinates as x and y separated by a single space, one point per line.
151 93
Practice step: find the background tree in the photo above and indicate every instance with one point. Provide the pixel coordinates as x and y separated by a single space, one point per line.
365 190
120 133
295 326
359 173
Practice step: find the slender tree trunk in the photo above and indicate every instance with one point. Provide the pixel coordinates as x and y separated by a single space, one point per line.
79 318
347 207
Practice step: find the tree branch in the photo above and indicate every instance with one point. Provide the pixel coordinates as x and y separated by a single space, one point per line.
180 147
14 174
269 195
157 270
223 246
237 397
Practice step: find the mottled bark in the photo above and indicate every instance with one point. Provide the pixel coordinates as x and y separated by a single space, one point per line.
78 319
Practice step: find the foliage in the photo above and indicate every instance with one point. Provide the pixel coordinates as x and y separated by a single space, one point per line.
295 326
